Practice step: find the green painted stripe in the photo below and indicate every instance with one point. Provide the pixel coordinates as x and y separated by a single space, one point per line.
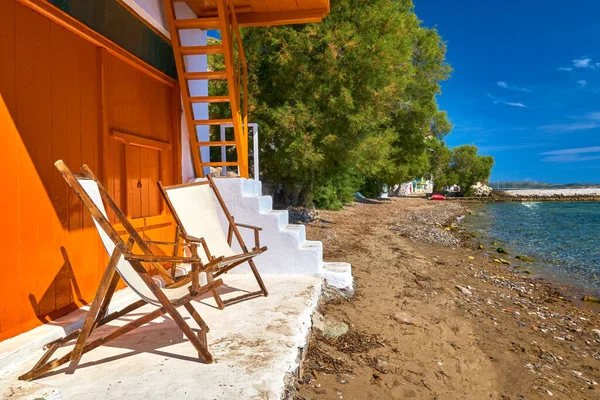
113 21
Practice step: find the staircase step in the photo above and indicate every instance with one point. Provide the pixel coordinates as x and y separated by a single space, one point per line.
213 121
206 75
210 99
251 187
338 274
317 247
206 144
315 244
219 164
197 23
265 203
299 229
283 217
188 50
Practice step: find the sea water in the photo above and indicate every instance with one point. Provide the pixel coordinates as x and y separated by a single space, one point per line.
562 237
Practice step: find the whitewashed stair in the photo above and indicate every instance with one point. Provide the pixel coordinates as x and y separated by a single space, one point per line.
289 252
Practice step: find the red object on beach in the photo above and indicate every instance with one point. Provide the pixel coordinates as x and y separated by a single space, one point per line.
438 197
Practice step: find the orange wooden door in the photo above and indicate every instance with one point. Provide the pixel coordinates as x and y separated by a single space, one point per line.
64 97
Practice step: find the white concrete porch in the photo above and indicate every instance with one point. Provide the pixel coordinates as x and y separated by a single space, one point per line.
255 344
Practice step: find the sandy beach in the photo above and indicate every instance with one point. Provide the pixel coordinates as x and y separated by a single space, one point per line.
432 319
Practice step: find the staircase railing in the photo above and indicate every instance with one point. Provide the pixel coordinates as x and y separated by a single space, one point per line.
241 87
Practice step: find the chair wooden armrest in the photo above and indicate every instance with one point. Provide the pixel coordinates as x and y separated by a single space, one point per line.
193 275
256 230
181 260
194 241
191 238
183 244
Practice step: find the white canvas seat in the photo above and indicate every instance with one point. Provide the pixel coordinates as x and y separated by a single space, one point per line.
196 209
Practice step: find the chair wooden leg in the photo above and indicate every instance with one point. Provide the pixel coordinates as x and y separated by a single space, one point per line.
175 252
170 309
43 366
210 278
93 314
202 349
109 294
204 329
190 308
258 277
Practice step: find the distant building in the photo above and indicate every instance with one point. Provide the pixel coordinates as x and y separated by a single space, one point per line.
417 186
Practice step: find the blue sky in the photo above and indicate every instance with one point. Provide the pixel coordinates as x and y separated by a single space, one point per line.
526 84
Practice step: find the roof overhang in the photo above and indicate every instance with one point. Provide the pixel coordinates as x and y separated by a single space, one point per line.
265 12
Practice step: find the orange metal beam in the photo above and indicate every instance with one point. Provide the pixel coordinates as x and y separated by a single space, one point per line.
261 19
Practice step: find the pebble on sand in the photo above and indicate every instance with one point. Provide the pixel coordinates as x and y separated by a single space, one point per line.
330 326
464 290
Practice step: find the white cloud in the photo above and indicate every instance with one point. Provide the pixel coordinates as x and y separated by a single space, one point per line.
508 103
508 147
583 63
586 122
572 155
574 127
505 85
515 104
595 116
569 158
578 150
582 83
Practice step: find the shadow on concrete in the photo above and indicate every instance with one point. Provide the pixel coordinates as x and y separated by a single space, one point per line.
64 285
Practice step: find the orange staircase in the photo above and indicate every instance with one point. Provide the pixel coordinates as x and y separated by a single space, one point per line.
235 73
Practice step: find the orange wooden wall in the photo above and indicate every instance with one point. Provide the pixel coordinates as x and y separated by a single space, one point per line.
64 97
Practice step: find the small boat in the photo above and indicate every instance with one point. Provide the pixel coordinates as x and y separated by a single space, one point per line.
438 197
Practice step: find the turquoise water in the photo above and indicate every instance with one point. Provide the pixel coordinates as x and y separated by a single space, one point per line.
563 238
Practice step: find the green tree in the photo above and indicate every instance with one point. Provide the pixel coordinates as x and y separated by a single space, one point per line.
345 101
470 167
440 157
461 166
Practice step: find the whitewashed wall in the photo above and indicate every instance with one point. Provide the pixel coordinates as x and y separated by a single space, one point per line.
153 12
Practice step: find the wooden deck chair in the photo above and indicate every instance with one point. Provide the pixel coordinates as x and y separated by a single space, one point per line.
126 265
193 208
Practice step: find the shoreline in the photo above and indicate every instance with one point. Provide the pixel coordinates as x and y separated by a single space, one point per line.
574 291
536 195
432 318
524 199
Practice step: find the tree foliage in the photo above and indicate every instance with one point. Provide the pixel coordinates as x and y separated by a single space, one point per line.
346 101
461 165
470 167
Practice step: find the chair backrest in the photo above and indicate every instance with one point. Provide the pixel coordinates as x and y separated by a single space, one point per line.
193 207
88 189
124 267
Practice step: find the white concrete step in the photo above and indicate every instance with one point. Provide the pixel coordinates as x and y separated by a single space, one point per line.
266 203
299 230
338 274
315 247
283 217
251 187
